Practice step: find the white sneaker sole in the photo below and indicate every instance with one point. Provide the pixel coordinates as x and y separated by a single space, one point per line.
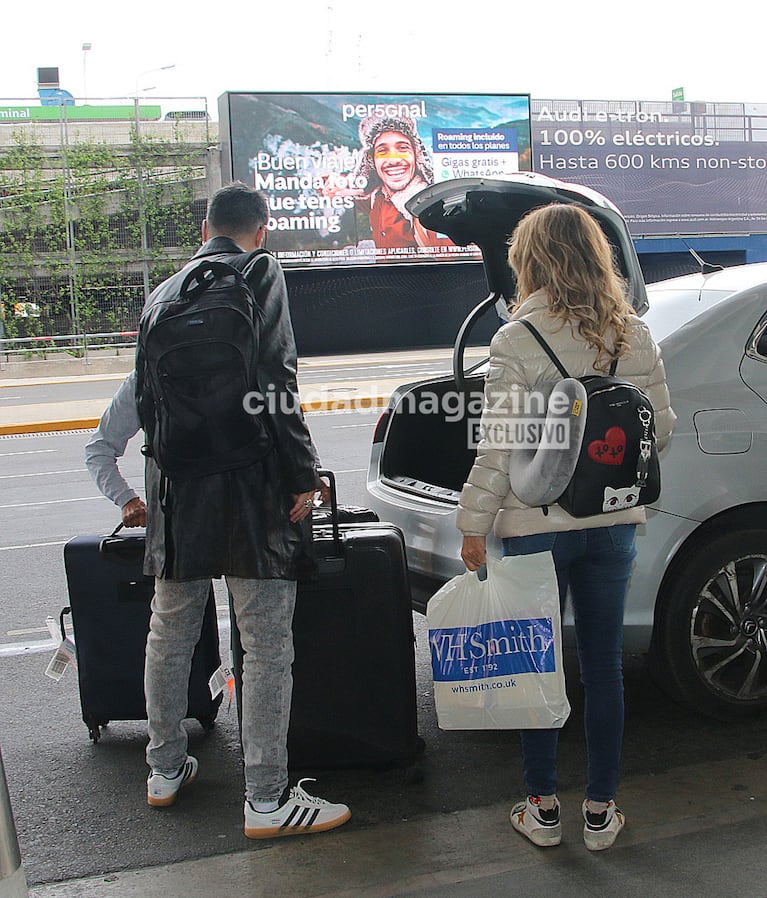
599 841
158 801
276 832
542 838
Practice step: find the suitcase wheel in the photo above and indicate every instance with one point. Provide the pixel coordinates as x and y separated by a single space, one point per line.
94 728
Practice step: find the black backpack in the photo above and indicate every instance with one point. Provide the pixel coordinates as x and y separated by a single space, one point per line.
617 466
196 360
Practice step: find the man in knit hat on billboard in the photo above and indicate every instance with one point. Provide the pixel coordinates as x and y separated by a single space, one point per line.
396 166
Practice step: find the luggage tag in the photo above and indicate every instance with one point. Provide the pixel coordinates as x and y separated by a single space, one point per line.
66 653
222 678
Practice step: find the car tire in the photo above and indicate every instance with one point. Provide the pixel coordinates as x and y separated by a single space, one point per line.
710 639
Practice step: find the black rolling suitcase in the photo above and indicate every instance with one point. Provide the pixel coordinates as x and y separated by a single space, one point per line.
354 698
109 600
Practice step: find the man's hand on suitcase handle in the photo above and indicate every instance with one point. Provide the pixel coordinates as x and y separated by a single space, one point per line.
134 513
304 502
302 506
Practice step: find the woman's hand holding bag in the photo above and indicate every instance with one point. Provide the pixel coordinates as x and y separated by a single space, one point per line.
496 647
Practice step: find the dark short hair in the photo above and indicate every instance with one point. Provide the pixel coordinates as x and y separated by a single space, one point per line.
237 209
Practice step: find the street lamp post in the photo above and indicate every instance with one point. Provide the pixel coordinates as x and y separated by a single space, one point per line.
140 179
74 305
86 47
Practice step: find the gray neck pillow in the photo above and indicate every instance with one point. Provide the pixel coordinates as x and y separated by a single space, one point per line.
539 474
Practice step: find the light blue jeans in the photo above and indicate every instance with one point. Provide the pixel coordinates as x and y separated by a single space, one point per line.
595 566
264 610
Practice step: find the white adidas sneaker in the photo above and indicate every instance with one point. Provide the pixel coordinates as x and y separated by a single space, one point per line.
302 813
162 788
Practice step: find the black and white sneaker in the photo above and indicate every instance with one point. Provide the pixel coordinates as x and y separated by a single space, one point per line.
543 828
601 830
302 813
162 788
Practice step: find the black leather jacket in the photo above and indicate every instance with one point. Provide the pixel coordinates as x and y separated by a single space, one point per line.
237 522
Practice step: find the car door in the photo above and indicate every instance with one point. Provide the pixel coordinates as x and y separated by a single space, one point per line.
753 368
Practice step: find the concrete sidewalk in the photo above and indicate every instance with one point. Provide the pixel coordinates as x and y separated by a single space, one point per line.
699 831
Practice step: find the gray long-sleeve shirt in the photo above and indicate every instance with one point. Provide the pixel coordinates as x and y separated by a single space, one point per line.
118 425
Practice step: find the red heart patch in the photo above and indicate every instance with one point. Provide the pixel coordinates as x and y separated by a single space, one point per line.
610 450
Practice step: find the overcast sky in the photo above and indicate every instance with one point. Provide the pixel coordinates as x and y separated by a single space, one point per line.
555 50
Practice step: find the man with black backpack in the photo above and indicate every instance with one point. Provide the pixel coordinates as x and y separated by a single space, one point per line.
227 491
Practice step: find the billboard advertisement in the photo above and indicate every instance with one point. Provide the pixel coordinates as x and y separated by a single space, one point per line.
671 168
338 169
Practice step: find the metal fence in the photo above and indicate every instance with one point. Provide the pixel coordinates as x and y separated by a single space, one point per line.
99 201
739 122
78 346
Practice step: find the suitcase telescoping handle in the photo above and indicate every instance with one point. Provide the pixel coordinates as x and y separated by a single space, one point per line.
109 541
331 478
62 626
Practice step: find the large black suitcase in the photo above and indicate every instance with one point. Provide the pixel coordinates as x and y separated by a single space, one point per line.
354 690
109 600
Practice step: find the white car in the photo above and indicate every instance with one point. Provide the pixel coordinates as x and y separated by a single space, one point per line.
697 602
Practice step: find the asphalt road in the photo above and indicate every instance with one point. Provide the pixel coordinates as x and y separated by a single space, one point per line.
80 808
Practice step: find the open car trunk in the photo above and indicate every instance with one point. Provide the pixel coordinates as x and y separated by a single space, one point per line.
430 442
485 212
429 435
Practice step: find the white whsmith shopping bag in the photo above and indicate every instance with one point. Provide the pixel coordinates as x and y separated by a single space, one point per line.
496 647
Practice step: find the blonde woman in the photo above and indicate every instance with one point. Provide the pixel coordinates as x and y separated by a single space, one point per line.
569 289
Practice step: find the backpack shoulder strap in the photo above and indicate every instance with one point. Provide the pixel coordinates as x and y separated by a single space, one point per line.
244 261
553 356
545 346
614 363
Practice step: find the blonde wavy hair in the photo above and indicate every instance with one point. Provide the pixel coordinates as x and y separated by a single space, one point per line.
561 249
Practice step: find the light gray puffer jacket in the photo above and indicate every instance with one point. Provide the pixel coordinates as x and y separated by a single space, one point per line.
519 367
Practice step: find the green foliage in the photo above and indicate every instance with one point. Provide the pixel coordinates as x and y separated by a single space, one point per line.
83 223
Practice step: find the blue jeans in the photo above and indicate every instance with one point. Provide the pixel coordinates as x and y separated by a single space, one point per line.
264 610
594 566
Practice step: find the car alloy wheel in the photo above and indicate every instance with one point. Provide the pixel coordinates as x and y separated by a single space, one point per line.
711 628
728 629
